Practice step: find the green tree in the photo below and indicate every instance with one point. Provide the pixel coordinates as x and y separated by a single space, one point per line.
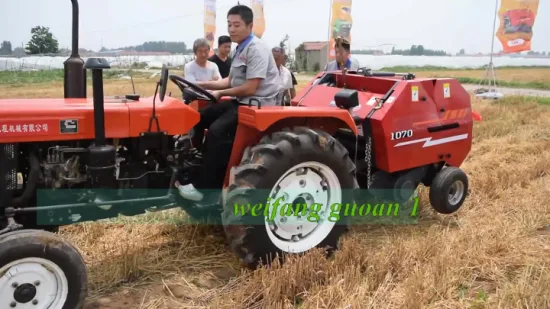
5 48
18 52
300 58
418 50
316 67
42 41
157 46
282 44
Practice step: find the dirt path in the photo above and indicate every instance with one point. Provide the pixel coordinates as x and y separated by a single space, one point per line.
513 91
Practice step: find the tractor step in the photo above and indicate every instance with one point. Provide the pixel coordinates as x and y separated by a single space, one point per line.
204 213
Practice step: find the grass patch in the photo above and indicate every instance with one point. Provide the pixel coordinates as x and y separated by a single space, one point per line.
509 84
30 77
531 77
22 78
515 100
412 69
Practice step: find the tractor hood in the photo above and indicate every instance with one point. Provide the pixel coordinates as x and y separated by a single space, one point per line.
30 120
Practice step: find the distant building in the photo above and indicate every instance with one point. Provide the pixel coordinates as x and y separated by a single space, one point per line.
311 56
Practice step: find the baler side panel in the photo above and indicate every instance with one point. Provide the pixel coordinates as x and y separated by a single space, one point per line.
414 109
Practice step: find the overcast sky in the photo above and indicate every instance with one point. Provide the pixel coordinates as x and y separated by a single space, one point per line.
437 24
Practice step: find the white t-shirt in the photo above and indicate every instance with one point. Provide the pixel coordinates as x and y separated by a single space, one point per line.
195 73
286 84
286 78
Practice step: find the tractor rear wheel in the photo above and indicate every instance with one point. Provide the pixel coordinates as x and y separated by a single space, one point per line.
303 167
41 271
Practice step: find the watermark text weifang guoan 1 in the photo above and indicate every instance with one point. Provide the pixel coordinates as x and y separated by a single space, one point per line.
312 212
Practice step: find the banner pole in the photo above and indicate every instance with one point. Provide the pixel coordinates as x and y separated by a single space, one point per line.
329 28
493 33
490 74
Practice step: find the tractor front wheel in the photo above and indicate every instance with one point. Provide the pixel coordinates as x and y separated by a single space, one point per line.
448 190
40 270
288 195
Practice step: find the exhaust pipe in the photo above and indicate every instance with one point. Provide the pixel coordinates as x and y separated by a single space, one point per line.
74 73
101 156
97 65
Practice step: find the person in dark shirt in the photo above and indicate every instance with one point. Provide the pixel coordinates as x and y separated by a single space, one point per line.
221 58
294 82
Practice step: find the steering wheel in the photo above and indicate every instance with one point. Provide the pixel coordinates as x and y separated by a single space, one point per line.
190 88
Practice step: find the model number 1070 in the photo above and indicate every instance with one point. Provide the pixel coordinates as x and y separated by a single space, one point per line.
401 134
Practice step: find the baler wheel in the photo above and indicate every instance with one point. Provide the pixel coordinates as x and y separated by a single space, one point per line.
448 190
301 165
40 270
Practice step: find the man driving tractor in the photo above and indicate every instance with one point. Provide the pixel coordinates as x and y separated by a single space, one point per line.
253 78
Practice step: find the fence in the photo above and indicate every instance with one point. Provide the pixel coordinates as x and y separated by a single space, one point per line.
52 62
55 62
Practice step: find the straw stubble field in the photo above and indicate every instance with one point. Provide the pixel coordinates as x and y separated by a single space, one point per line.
494 253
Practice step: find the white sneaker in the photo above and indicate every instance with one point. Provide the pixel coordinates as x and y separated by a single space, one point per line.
189 192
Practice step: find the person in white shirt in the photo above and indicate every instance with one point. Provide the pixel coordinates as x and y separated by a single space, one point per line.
200 69
287 91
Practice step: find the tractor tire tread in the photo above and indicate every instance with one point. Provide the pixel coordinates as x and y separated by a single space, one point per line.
25 243
264 163
441 183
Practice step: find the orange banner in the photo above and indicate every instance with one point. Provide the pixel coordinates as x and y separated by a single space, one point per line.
517 18
340 23
259 18
210 23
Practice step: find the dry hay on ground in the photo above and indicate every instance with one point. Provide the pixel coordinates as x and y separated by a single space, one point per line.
541 75
492 254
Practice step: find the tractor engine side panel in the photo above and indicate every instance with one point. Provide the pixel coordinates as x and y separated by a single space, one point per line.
423 122
40 120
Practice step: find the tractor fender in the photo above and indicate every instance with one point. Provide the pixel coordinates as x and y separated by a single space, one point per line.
255 123
267 118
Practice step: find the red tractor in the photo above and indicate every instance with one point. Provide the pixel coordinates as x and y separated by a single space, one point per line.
520 20
349 137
